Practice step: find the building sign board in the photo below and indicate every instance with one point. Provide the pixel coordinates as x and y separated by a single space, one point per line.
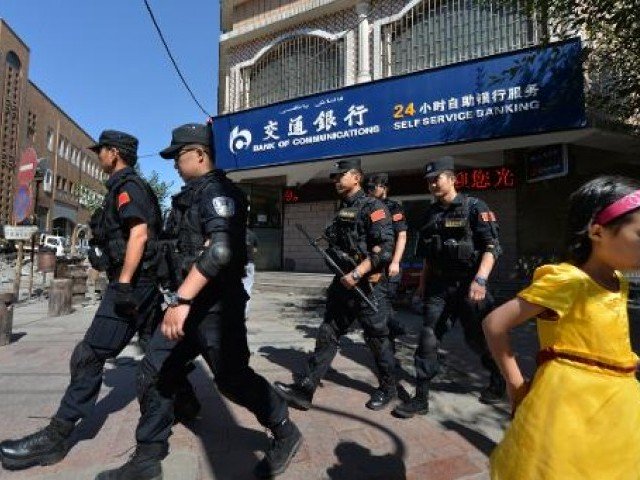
526 92
547 162
20 232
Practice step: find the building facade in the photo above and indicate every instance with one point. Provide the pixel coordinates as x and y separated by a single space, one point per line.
72 179
467 58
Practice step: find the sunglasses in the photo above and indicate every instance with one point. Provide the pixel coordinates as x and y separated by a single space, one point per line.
183 151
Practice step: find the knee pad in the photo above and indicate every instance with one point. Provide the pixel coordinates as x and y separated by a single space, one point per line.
84 359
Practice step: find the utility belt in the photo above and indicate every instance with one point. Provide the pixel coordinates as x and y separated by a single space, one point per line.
109 257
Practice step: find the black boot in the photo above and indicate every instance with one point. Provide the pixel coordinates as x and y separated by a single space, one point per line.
298 395
144 464
45 447
381 398
494 392
284 446
418 405
186 406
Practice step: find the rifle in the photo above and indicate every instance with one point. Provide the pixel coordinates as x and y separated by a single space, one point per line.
334 266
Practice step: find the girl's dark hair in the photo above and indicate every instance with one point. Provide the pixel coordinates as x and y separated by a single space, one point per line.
585 203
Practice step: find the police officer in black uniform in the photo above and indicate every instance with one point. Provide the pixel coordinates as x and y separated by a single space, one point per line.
205 315
378 187
459 242
361 243
124 244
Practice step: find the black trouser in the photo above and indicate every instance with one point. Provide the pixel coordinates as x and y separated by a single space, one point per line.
343 308
392 292
216 331
107 336
450 298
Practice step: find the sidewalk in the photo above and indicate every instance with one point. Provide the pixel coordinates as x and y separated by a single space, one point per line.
343 440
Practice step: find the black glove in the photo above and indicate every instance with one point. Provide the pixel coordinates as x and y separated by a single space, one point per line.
124 301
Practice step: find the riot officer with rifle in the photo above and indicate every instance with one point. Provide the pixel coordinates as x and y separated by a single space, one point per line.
360 241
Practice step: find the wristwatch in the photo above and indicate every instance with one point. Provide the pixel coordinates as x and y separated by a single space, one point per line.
173 300
482 281
356 275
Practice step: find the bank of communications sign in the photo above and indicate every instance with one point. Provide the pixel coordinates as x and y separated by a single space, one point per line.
531 91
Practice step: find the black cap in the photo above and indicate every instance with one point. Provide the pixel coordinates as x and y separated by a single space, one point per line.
438 166
378 179
122 141
189 134
344 166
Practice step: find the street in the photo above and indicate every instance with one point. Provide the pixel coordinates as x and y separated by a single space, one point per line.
343 440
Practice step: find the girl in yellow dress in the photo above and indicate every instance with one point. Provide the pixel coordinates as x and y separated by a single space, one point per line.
579 419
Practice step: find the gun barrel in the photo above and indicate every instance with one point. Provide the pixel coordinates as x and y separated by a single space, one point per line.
334 266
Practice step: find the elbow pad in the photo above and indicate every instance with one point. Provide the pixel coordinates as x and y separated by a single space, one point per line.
494 249
216 256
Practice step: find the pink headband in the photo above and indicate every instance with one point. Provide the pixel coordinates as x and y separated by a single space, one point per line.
618 208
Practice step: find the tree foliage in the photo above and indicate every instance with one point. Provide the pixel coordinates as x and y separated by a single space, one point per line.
611 33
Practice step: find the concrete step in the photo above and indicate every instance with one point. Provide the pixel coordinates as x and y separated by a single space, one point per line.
311 284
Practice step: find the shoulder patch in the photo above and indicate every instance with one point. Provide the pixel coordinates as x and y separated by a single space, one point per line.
397 217
378 215
487 216
123 199
224 206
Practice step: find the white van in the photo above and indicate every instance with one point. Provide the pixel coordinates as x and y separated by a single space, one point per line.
54 242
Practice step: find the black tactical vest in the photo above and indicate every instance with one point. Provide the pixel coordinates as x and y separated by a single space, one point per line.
183 238
110 236
346 235
446 240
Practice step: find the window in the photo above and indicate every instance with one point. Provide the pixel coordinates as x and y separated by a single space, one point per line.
298 66
61 147
433 34
50 139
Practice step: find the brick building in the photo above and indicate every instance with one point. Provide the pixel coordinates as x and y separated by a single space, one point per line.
30 119
450 66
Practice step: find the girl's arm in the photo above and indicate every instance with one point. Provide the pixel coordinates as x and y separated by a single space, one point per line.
496 328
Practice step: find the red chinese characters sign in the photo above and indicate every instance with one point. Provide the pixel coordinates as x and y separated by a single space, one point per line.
290 195
492 178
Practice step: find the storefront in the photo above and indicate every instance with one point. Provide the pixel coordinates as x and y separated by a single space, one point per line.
515 123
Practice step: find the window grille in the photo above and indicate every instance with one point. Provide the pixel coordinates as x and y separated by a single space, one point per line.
298 66
441 32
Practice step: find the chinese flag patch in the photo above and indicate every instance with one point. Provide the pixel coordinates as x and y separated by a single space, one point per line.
377 215
123 199
397 217
487 217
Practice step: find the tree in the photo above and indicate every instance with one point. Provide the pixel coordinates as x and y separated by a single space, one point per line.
611 33
161 188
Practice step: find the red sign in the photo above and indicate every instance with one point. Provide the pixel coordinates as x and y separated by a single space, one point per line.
290 195
492 178
27 167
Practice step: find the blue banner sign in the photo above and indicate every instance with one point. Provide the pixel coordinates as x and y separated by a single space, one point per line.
527 92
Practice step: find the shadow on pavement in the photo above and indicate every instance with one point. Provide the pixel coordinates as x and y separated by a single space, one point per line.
122 380
475 438
357 462
229 447
295 361
16 336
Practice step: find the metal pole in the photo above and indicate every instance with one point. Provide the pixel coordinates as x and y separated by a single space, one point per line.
33 243
16 280
55 174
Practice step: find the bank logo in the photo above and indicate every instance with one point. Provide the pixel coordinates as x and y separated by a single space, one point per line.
239 140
